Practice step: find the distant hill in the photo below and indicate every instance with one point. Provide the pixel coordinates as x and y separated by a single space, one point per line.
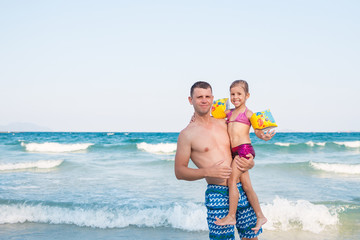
23 127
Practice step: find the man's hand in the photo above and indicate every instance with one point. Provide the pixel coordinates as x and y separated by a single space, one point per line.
218 171
244 164
266 136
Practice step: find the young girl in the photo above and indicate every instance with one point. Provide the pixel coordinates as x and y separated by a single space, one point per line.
239 132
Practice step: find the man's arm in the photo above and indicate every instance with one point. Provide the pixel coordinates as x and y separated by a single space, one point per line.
182 157
183 172
244 164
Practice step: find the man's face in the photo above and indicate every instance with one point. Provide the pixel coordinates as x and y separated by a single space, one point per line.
202 100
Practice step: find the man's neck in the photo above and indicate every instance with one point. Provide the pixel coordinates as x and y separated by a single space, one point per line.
203 119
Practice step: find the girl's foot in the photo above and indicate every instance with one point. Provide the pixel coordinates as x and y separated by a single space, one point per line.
260 221
228 220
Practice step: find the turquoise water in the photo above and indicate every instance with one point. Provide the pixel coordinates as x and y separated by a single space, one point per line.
122 186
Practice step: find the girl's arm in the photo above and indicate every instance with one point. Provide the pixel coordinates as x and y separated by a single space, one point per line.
264 136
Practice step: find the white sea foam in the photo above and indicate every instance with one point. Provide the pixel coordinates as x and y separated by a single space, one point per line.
51 147
191 217
312 144
161 148
337 167
285 215
41 164
309 143
282 215
283 144
353 144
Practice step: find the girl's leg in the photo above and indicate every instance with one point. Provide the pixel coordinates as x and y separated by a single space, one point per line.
253 199
230 219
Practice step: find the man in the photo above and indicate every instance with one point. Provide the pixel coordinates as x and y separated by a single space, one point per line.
207 143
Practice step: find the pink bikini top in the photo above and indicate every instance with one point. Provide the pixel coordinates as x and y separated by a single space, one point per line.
241 118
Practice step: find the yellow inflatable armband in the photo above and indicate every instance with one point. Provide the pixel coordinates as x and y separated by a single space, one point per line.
219 107
263 120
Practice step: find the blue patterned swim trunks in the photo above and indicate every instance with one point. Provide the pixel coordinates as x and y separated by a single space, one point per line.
217 204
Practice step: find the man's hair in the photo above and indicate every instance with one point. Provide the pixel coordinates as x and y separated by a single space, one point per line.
199 84
242 83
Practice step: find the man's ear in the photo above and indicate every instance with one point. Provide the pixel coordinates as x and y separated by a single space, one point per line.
190 100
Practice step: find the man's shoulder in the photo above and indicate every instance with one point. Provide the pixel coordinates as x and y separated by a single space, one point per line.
193 126
188 130
188 134
219 121
194 130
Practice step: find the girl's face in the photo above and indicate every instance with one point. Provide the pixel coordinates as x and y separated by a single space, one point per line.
238 96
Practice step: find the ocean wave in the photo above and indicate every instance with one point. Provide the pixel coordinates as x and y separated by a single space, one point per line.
41 164
309 143
312 144
337 167
282 215
283 144
191 216
51 147
352 144
285 215
349 144
161 148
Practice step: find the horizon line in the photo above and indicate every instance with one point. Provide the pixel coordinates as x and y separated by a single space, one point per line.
163 131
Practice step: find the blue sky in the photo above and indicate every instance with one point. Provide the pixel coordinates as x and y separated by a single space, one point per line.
128 65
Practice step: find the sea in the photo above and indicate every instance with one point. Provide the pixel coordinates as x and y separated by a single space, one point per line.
121 185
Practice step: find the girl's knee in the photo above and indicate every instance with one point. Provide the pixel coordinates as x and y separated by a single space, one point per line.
247 187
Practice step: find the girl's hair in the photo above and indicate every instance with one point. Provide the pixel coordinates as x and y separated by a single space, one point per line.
242 83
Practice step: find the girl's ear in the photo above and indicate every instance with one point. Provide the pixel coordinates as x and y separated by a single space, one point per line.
247 95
